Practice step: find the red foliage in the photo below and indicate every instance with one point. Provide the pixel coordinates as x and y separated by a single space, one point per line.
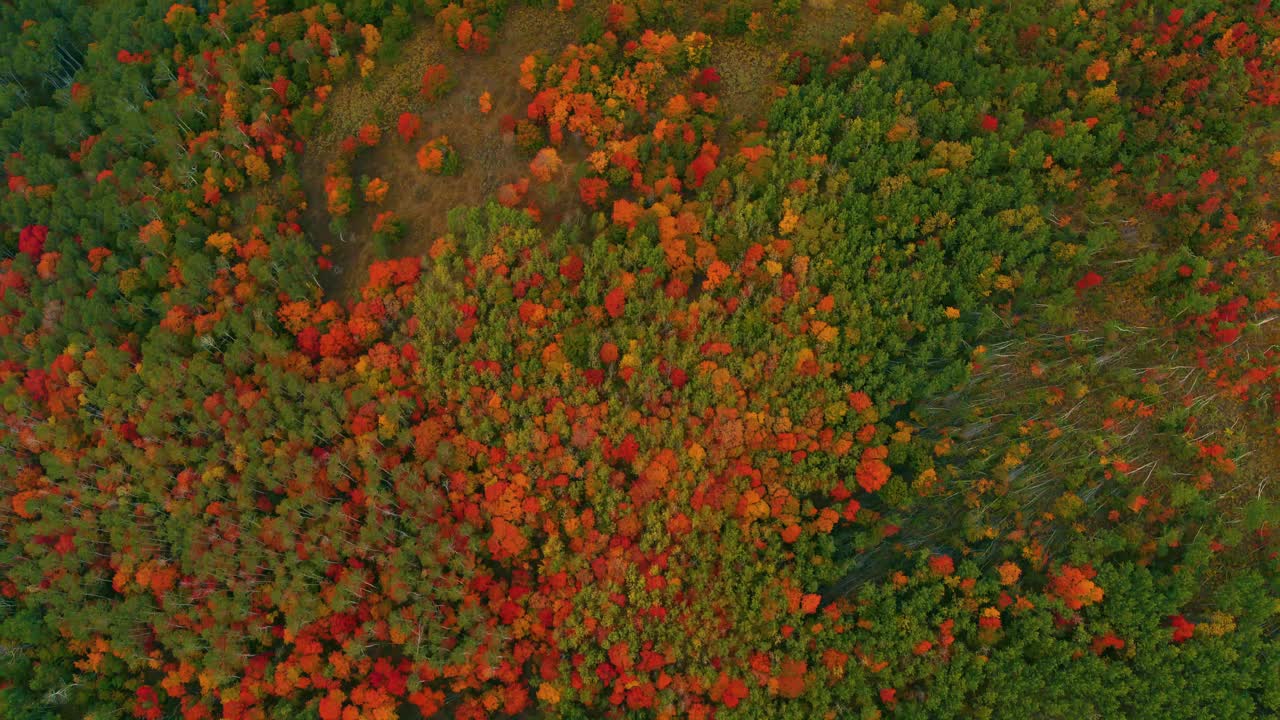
1183 630
706 78
1075 586
434 80
593 190
1102 642
330 707
626 213
408 126
791 678
616 301
146 703
730 691
369 134
704 164
280 86
506 540
859 401
608 353
571 268
129 58
942 565
385 273
96 255
872 472
464 34
1091 279
512 194
31 240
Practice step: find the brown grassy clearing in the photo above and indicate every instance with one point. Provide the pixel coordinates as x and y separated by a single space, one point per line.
422 201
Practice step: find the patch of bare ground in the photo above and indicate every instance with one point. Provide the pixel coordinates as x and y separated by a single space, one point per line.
822 23
488 158
747 71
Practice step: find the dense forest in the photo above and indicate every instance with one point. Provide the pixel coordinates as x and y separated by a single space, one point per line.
377 359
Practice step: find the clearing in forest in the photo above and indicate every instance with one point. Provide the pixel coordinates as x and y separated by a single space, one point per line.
489 154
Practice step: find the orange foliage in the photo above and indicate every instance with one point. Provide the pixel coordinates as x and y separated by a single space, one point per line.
626 213
1075 586
872 472
791 679
376 191
369 134
1098 70
545 164
506 540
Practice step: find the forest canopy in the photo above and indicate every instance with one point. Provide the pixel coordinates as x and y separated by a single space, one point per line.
639 358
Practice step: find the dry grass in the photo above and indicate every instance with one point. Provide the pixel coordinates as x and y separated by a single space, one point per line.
747 71
489 159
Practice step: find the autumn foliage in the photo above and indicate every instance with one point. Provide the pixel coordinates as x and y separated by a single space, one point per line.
943 385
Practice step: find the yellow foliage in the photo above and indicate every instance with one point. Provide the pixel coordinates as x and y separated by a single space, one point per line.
548 694
221 241
1106 95
788 222
955 155
256 168
372 39
1009 573
1219 624
824 332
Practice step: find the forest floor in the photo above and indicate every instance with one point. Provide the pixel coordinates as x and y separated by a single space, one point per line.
1130 308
